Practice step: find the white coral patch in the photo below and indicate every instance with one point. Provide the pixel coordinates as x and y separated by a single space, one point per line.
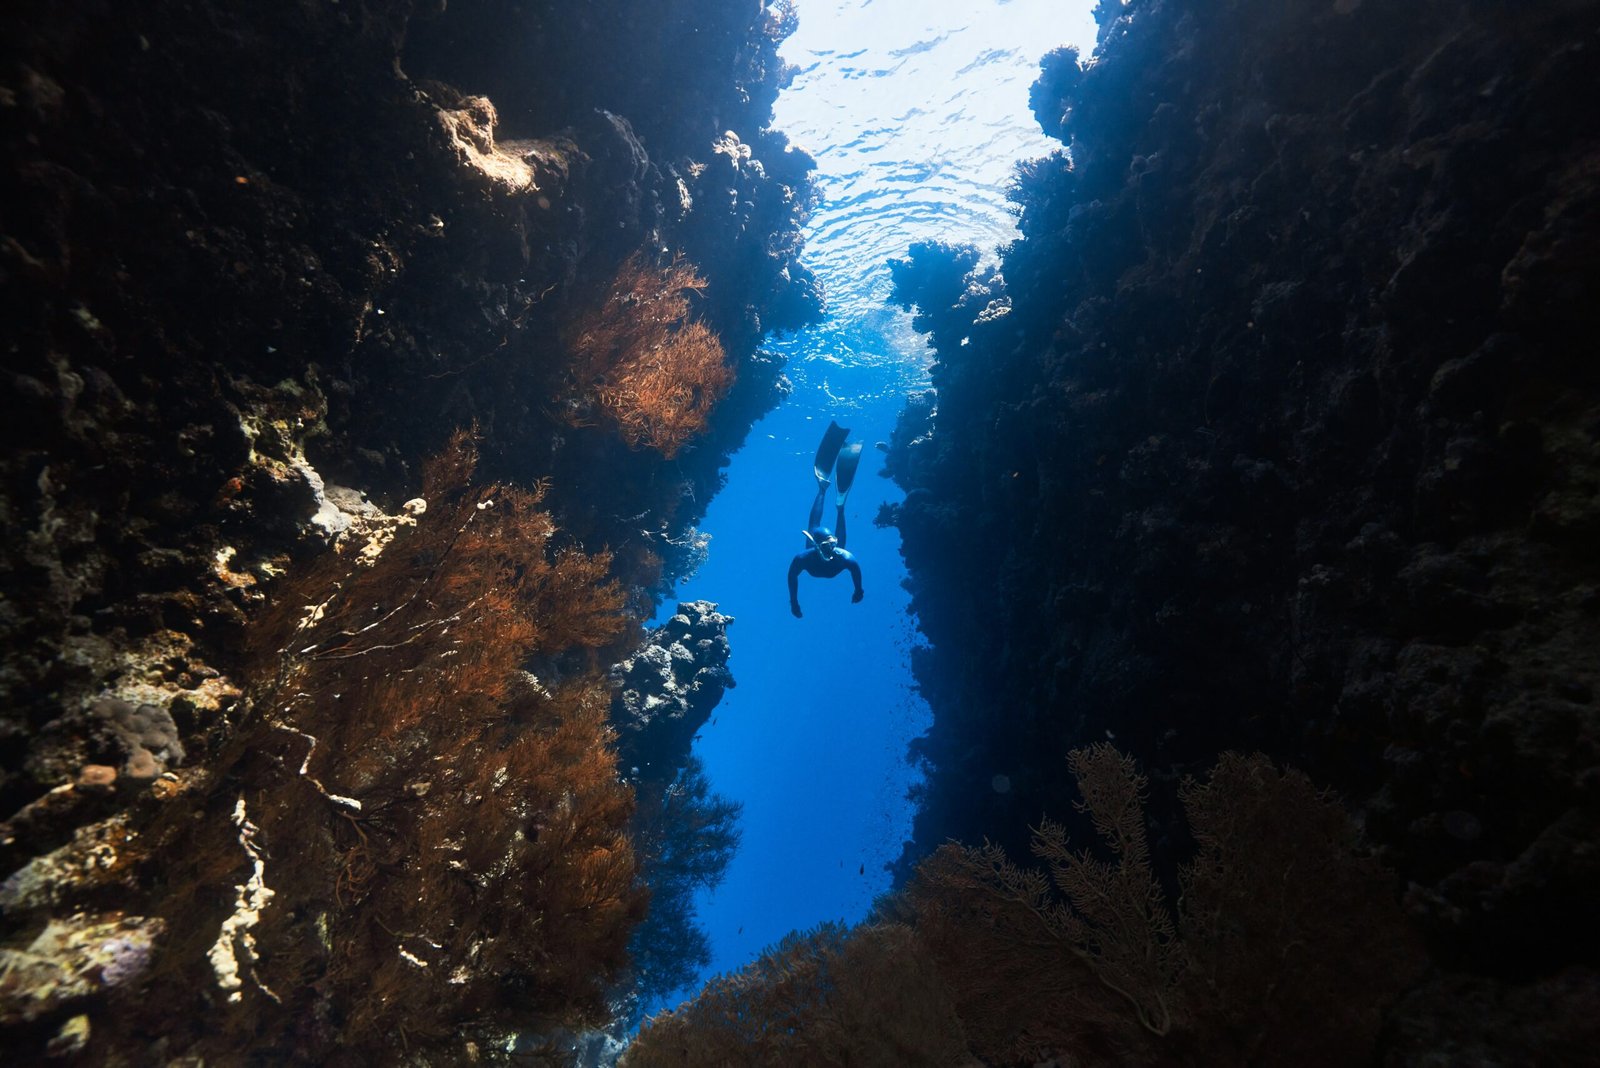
251 897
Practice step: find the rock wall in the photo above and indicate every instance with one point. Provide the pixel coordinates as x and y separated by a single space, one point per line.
258 263
1278 430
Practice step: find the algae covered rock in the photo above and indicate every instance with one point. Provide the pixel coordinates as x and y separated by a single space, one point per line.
72 958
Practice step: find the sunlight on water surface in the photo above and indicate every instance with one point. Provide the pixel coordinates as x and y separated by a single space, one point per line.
916 114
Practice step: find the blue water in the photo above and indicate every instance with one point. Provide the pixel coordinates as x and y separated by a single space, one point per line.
916 111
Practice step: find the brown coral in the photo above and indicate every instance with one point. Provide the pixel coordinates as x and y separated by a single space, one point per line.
443 835
1285 948
829 997
639 357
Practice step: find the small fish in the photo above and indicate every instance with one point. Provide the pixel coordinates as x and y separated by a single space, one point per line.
863 870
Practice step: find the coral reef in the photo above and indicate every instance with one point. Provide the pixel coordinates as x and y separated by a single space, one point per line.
425 845
1278 430
1286 946
667 688
260 264
684 833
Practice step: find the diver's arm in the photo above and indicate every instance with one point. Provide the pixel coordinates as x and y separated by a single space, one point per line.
855 576
794 586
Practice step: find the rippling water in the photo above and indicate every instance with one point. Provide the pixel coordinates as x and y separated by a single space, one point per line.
916 111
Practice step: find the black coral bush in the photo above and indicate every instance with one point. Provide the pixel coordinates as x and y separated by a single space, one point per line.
1292 943
444 835
832 997
685 836
1284 948
1082 955
639 358
1285 945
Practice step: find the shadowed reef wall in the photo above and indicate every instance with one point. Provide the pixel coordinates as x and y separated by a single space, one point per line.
1280 428
259 264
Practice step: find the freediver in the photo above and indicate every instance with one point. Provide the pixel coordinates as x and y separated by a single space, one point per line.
825 555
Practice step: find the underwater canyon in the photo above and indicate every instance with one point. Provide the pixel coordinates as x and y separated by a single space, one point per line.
370 367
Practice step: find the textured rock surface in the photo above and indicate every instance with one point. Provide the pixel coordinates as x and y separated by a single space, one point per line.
668 688
1281 431
257 264
73 958
684 833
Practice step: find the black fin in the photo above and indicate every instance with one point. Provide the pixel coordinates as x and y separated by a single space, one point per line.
832 438
845 475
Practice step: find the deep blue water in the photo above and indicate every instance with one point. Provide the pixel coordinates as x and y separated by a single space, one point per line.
916 111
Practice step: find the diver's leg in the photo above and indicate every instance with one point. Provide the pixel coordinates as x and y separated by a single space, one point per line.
838 525
822 467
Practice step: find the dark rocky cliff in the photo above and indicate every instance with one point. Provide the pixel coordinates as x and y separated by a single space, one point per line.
259 262
1281 431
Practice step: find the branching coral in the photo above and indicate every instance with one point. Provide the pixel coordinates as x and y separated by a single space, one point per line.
1285 948
1285 940
830 997
654 371
448 834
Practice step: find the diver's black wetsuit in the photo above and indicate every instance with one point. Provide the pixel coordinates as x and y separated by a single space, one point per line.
825 555
812 562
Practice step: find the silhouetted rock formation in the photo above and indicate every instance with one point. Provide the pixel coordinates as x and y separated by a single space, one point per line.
259 263
1279 429
666 690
